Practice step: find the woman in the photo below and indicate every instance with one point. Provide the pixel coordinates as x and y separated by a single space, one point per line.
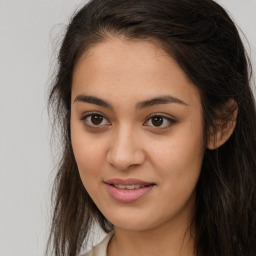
159 131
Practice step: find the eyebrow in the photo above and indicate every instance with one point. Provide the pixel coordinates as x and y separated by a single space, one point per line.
93 100
159 100
139 105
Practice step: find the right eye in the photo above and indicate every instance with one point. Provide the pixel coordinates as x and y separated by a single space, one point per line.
95 120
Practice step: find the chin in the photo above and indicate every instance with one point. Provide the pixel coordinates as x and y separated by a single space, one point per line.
136 221
131 225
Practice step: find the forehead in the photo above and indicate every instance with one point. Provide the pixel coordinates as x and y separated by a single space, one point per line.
121 68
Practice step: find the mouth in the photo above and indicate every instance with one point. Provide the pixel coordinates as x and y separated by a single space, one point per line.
128 184
128 187
127 191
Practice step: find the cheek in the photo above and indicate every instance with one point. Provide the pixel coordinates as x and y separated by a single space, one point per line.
88 152
179 157
90 161
178 165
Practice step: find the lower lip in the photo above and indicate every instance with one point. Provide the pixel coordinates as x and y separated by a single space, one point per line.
126 195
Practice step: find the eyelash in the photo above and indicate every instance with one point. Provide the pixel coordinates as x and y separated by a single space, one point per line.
90 114
170 121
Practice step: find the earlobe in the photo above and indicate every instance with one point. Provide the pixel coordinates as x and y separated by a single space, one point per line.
224 128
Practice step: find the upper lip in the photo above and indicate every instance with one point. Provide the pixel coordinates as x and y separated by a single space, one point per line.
117 181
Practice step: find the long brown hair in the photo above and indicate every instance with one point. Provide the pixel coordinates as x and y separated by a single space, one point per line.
203 39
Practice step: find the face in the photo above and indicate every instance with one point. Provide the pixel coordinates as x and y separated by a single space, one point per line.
137 134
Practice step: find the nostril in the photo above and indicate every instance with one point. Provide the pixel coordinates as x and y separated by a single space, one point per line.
124 159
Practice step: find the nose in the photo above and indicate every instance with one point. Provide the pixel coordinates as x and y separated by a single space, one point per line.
125 150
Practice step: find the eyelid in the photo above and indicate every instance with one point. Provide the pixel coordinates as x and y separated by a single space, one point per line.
88 114
170 119
167 117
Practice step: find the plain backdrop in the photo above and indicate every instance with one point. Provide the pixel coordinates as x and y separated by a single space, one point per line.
28 41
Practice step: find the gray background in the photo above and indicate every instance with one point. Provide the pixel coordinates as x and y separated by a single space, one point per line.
28 31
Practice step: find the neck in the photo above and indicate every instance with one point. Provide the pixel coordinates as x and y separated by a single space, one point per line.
167 240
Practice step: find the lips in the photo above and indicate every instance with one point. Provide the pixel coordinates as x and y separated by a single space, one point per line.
129 190
127 182
129 187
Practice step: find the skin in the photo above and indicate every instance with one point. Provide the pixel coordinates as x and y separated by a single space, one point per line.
128 145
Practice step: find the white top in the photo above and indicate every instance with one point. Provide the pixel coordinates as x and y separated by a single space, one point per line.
101 248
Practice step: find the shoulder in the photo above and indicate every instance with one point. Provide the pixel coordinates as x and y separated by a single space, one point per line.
101 248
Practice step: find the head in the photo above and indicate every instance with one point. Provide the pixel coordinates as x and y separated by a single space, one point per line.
199 42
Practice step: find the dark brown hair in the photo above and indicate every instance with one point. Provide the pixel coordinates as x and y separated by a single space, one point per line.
203 39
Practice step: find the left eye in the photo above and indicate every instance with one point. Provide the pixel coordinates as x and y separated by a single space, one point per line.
159 121
95 119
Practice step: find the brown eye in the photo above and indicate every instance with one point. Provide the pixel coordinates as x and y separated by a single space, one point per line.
96 119
157 121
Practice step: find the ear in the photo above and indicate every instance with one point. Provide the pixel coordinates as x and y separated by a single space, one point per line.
224 127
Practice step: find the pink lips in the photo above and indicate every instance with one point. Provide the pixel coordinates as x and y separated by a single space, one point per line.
126 195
